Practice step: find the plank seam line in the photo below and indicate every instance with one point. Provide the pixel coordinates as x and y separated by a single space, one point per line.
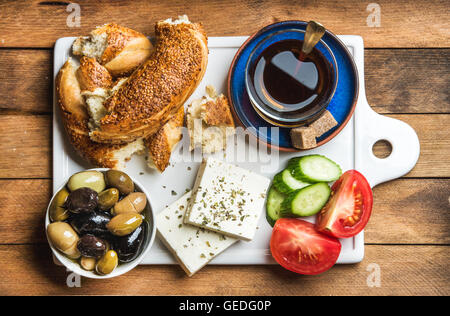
17 179
407 48
403 244
25 48
5 112
422 178
408 113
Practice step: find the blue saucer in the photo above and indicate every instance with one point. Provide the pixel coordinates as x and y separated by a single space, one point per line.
341 105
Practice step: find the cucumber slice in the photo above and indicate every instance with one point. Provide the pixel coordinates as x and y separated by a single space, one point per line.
314 168
307 201
284 182
273 205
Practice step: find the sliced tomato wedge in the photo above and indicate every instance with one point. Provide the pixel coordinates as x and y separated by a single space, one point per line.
297 246
349 207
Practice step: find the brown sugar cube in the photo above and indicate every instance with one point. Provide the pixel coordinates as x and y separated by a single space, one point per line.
324 123
303 137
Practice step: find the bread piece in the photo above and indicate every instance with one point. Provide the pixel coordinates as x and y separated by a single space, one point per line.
95 84
91 75
76 119
303 137
216 110
210 122
96 98
158 88
324 123
121 50
161 144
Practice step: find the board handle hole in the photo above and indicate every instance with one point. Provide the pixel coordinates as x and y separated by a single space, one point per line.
382 149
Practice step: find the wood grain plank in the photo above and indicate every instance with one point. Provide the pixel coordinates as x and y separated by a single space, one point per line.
26 146
26 80
410 211
27 199
405 270
406 211
41 23
408 81
397 81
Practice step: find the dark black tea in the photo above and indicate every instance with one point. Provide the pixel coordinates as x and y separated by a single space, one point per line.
287 81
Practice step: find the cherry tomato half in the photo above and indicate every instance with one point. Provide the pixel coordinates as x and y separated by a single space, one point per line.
297 246
348 210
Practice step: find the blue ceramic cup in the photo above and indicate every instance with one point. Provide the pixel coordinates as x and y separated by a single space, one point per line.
278 113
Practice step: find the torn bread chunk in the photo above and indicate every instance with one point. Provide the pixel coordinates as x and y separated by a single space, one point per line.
227 199
161 145
324 123
209 122
92 46
96 98
95 84
181 19
121 50
123 154
91 75
303 137
193 247
96 110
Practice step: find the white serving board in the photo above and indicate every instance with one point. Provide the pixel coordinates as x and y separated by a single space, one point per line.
352 149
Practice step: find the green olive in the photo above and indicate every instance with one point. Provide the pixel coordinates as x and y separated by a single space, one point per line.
107 263
87 179
57 211
107 198
133 203
124 224
120 180
64 238
88 264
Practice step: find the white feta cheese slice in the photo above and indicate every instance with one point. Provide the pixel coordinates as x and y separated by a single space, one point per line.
192 246
227 199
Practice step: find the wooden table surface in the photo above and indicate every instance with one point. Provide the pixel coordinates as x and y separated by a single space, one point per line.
407 71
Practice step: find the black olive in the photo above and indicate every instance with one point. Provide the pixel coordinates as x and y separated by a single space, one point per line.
91 246
82 200
128 247
91 223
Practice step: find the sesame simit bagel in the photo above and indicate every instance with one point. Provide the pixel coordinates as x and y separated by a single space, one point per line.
159 87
